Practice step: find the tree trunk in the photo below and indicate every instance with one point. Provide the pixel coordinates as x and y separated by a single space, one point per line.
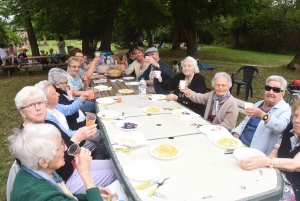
189 32
150 41
45 39
176 42
108 27
295 63
85 44
29 28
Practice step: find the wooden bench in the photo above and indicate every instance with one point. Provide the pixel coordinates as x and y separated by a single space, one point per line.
241 105
33 65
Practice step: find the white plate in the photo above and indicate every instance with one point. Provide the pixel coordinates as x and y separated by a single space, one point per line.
129 138
99 81
211 129
146 110
120 124
128 78
108 114
132 83
239 143
180 112
105 100
119 80
126 91
246 152
141 170
101 87
156 155
159 97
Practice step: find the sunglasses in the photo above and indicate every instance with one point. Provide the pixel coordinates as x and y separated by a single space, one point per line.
275 89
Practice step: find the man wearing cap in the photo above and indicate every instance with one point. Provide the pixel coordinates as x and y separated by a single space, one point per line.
152 57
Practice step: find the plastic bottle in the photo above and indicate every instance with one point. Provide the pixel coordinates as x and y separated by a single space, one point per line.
142 93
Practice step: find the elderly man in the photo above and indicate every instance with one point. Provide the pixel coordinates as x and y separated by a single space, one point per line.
267 119
152 57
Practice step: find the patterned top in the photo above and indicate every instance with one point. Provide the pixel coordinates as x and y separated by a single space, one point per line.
294 141
76 83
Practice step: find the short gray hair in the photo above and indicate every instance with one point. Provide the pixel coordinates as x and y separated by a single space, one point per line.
221 74
196 69
28 92
43 85
278 79
32 143
56 75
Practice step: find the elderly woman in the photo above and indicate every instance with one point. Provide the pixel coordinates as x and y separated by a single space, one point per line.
31 102
139 66
41 150
195 81
74 66
56 113
265 122
284 156
221 108
58 78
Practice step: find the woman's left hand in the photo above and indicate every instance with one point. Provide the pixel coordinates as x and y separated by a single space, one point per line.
172 97
104 192
254 162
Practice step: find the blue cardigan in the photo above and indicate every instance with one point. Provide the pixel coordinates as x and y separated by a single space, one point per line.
66 110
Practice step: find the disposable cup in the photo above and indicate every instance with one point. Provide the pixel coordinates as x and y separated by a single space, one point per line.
97 54
90 91
119 98
182 84
158 73
90 119
74 150
248 105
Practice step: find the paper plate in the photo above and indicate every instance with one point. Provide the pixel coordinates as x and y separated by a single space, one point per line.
128 78
246 152
121 124
99 81
126 91
108 114
211 129
180 112
228 142
117 80
152 110
159 97
101 87
131 138
141 170
105 100
164 151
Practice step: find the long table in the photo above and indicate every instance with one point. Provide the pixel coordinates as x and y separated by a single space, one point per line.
201 172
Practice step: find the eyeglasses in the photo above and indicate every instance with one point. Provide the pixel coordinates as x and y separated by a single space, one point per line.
275 89
131 53
32 106
78 67
64 82
62 145
220 85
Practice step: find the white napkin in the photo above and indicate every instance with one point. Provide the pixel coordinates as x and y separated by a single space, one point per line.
131 83
116 80
137 143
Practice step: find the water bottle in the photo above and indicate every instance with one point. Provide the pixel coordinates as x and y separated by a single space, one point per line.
142 93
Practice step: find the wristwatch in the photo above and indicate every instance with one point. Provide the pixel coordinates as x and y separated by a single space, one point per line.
265 117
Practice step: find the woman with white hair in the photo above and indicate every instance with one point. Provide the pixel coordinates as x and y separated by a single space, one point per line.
58 78
221 108
195 81
265 122
41 150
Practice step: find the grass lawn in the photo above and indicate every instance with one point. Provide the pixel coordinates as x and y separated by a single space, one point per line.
229 60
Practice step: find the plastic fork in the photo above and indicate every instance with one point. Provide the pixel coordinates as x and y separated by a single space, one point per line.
159 183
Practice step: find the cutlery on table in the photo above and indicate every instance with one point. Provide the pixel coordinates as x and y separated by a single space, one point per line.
229 151
159 183
147 184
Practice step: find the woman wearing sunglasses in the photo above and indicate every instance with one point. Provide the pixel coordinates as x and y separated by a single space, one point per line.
265 122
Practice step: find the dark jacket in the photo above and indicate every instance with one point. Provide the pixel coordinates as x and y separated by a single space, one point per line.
197 85
284 152
166 74
71 119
